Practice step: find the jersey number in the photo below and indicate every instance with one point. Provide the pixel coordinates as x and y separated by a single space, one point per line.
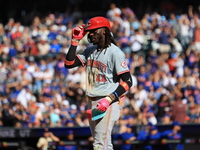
101 78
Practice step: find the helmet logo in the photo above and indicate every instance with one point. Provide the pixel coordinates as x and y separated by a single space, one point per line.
88 24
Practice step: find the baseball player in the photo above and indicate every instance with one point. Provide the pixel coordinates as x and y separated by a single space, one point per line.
108 76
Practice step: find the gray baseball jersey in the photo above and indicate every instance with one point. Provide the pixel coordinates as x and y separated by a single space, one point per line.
102 68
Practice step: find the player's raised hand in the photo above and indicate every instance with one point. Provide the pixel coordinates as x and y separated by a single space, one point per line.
77 34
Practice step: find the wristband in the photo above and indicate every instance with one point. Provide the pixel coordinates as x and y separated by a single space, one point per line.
112 96
115 93
74 42
109 98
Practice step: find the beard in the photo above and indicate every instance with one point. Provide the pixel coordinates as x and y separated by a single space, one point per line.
95 40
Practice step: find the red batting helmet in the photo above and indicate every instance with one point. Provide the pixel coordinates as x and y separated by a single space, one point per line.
97 22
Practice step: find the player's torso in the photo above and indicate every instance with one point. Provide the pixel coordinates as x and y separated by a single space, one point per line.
101 74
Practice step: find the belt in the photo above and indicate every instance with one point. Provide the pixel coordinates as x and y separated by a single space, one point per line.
95 98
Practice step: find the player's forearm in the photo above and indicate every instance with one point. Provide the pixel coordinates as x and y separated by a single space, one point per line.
71 60
125 85
71 53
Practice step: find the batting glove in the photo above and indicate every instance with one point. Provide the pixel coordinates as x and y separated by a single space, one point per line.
104 103
77 34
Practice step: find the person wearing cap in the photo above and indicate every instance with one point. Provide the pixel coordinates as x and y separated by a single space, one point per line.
107 75
127 136
143 135
69 137
151 117
73 111
43 141
166 119
173 133
154 134
7 113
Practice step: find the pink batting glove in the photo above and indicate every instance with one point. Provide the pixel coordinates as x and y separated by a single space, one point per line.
104 103
77 34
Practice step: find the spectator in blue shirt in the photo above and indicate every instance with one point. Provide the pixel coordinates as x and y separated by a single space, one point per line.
173 133
53 33
127 136
69 137
144 134
55 46
154 134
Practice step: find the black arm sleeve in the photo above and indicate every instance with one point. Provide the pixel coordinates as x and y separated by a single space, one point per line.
126 77
71 56
71 53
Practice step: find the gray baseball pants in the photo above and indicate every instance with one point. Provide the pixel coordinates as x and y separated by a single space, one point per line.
101 129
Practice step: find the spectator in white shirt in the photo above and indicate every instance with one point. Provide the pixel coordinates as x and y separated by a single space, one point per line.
137 40
24 96
140 95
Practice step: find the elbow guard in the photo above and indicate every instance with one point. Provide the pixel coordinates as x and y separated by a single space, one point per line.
125 85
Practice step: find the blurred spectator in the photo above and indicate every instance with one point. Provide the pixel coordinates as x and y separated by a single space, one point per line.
47 76
173 133
196 39
166 119
172 63
126 135
128 13
114 13
154 135
137 41
197 95
142 76
73 111
162 104
140 95
55 46
43 142
124 43
7 114
185 31
146 106
43 46
179 110
193 114
70 123
151 117
131 120
54 117
164 39
30 47
53 31
179 71
143 134
69 137
176 46
16 32
18 115
38 80
24 96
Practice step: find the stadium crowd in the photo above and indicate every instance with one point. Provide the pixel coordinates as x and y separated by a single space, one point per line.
162 52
